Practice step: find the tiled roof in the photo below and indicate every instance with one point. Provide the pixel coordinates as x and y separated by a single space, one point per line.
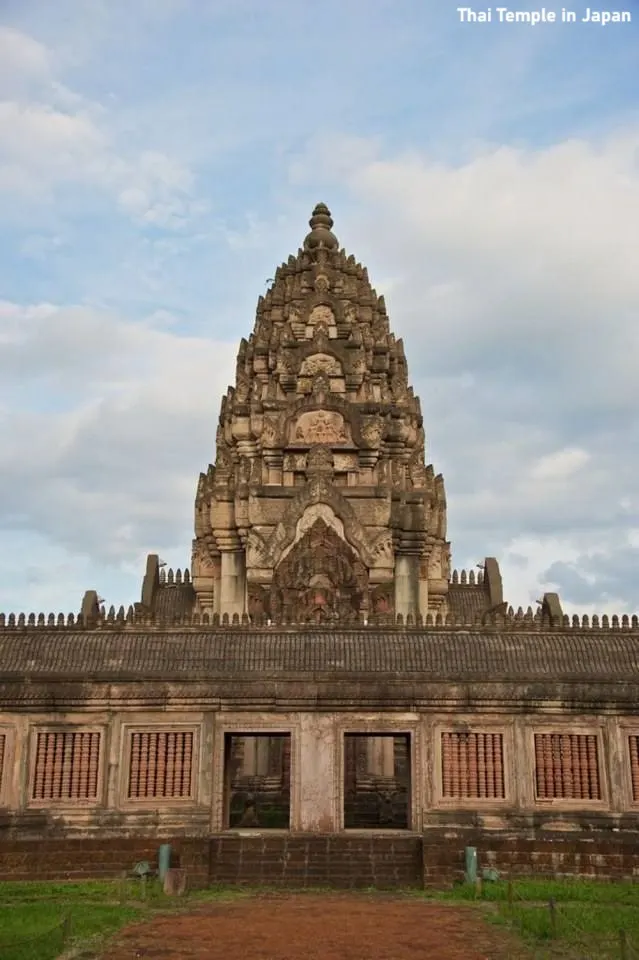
174 600
466 600
431 655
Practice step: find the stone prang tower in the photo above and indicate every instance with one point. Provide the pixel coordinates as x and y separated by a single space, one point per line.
320 506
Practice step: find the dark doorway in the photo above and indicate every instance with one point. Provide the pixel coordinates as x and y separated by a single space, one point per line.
376 781
257 781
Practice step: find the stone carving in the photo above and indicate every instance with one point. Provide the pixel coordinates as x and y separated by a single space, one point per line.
382 599
258 600
321 426
320 460
269 434
320 580
321 363
322 284
244 471
321 319
345 461
372 431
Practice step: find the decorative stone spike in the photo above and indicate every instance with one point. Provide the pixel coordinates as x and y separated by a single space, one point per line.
178 575
51 620
471 577
41 620
463 578
170 576
615 622
187 575
32 620
455 576
595 621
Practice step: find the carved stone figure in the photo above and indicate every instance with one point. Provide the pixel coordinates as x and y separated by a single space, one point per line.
319 580
322 426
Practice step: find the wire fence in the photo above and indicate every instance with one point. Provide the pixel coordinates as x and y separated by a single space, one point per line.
553 927
46 945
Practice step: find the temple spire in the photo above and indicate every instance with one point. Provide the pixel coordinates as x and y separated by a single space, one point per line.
321 223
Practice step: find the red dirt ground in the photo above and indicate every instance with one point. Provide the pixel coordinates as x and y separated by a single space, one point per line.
311 927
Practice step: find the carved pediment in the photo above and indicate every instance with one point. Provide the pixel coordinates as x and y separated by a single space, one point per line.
318 499
321 578
321 363
320 426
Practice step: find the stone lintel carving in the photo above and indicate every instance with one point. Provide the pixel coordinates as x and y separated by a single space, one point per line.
321 426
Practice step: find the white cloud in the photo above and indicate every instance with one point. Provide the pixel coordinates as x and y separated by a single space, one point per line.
123 426
51 136
561 465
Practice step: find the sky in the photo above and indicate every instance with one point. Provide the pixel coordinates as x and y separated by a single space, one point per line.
158 159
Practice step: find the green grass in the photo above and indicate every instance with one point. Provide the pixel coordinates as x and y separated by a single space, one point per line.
588 914
32 914
588 919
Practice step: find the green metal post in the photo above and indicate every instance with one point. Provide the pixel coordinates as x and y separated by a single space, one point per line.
471 865
164 860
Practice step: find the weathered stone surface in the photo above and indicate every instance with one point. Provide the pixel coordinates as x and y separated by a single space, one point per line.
321 406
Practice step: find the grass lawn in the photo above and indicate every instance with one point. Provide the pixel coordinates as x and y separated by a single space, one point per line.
588 918
588 915
39 921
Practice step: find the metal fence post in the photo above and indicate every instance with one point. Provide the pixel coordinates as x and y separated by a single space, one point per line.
623 945
553 917
66 929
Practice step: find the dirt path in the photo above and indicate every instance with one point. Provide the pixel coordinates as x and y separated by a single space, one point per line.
310 927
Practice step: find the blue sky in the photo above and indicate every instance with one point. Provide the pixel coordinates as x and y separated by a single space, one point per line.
159 158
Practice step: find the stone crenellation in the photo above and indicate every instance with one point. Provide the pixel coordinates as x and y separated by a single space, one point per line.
468 577
177 576
511 620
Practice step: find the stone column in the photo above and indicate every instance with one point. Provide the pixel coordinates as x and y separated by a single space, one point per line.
318 787
406 585
233 583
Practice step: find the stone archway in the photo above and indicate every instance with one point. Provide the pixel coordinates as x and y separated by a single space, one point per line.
320 580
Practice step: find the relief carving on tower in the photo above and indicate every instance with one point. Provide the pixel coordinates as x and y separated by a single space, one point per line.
320 363
320 579
321 424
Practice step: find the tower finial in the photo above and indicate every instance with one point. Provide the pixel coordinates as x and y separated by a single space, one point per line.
320 224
